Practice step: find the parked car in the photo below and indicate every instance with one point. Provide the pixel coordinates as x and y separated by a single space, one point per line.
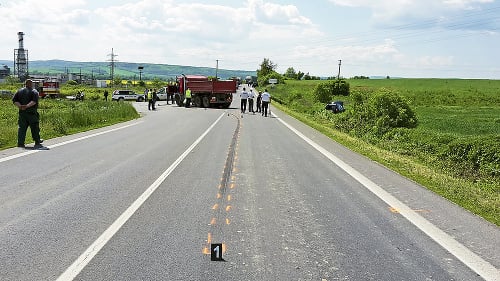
161 94
120 95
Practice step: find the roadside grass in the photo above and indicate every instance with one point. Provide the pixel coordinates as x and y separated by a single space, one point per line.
468 115
59 117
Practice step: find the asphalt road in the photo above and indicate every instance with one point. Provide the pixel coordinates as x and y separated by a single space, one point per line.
145 200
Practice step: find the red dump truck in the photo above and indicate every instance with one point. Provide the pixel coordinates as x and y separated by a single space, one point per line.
205 92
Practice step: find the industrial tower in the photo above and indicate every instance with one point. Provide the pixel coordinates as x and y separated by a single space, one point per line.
21 60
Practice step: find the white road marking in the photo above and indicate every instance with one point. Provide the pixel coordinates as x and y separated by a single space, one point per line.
65 142
79 264
469 258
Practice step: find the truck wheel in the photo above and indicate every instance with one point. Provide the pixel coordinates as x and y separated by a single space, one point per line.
197 101
205 101
178 100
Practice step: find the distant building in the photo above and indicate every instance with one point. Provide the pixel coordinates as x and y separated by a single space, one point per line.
4 72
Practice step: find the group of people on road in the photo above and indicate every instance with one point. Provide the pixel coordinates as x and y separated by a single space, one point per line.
263 99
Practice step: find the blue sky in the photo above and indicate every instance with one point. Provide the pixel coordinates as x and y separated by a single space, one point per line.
399 38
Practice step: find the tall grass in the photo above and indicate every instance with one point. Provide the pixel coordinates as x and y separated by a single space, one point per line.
60 117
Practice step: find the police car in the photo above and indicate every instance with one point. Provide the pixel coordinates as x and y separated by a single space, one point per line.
120 95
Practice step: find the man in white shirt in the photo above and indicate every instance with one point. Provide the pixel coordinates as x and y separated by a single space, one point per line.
266 100
251 96
244 97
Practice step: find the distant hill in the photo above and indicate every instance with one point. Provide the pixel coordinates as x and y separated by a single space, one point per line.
126 70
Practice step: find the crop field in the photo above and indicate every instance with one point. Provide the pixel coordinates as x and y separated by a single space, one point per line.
453 150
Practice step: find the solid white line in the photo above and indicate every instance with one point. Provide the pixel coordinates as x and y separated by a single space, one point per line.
469 258
65 142
82 261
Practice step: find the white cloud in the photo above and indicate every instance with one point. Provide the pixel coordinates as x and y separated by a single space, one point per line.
399 12
270 13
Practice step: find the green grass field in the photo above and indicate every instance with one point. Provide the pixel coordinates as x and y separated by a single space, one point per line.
454 150
59 117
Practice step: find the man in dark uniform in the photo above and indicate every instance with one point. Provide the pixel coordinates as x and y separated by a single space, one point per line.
155 97
26 99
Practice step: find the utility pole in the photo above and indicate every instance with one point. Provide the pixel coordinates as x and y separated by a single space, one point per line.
216 70
112 65
338 75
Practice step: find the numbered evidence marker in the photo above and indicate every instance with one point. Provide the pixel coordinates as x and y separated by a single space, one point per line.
216 252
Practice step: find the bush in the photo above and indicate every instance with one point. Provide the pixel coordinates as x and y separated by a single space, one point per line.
376 114
390 110
324 92
264 80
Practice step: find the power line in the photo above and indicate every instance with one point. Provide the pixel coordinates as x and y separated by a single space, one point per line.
112 61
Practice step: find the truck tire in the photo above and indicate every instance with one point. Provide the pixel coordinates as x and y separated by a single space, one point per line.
205 101
197 101
178 100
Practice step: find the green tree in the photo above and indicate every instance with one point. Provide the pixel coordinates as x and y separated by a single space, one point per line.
266 67
290 73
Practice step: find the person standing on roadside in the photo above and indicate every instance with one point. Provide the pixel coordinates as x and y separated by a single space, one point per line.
188 98
106 95
150 99
26 99
155 97
266 100
251 96
259 102
244 97
170 94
